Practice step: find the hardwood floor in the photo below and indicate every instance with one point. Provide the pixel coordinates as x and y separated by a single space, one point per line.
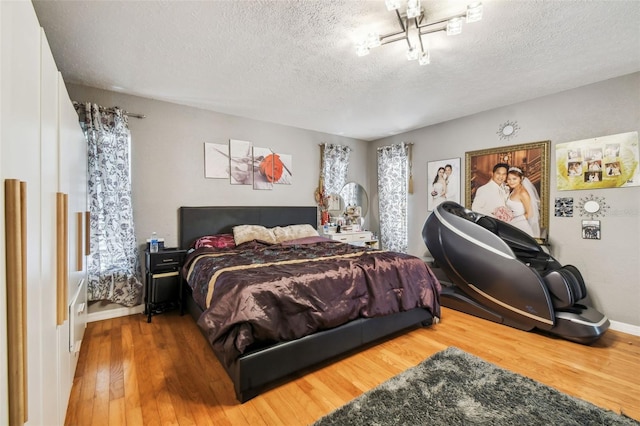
164 373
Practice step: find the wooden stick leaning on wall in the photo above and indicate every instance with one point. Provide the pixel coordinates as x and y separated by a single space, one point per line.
15 303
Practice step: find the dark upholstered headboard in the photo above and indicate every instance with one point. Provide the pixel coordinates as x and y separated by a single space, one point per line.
194 222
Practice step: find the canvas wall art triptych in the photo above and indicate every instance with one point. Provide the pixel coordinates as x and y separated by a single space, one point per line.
245 164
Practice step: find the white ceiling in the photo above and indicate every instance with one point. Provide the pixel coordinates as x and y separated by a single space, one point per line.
294 62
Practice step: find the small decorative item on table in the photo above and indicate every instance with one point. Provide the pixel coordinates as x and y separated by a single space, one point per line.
324 217
322 200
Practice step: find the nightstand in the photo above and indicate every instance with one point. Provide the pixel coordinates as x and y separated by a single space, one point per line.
356 238
163 281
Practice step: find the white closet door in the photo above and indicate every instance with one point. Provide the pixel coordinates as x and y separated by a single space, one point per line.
54 403
4 378
41 144
72 163
72 155
20 158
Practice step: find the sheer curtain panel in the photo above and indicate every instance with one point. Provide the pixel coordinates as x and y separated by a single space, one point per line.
393 174
335 164
113 267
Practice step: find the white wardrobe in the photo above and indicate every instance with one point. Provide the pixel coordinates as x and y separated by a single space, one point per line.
43 150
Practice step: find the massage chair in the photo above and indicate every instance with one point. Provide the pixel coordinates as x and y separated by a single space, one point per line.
495 271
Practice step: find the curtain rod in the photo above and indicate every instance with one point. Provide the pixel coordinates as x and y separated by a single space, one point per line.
127 113
132 114
335 144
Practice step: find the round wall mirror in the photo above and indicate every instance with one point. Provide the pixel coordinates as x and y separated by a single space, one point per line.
591 206
353 194
507 130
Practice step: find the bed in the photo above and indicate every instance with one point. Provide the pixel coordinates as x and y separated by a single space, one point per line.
266 360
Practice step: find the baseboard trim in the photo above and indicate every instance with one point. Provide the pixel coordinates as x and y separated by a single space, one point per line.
114 313
124 311
625 328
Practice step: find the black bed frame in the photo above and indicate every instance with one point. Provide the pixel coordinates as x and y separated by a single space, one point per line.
257 370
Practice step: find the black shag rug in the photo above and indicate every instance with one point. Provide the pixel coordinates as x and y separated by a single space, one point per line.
455 388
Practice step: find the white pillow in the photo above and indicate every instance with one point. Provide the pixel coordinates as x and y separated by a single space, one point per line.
244 233
293 232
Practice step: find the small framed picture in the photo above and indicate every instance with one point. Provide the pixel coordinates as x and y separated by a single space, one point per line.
591 229
564 207
443 182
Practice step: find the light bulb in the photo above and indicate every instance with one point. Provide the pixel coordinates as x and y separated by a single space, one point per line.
413 9
412 53
454 26
425 58
392 4
362 49
373 40
474 12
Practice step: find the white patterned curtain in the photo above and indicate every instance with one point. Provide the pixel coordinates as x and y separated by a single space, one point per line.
393 174
113 267
335 164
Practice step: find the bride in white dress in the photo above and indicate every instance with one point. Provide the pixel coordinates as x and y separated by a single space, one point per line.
520 202
439 187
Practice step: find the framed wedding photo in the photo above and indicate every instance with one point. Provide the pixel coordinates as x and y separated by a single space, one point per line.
532 158
443 182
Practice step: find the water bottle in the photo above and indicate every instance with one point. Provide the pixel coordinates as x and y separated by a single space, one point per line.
153 245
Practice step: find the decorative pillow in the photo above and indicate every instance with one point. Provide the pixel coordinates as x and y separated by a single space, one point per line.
293 232
215 241
244 233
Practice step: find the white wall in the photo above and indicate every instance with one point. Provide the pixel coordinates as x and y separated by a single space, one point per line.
611 265
168 160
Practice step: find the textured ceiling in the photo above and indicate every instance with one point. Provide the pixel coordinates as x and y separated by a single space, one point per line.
294 62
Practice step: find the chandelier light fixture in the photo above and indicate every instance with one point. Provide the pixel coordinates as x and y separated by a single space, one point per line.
414 25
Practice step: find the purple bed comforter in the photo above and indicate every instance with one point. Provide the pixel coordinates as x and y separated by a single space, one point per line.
257 293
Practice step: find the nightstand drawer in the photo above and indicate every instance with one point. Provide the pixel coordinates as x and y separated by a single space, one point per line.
165 261
358 238
343 238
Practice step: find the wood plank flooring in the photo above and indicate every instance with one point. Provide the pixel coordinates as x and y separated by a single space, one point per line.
164 373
